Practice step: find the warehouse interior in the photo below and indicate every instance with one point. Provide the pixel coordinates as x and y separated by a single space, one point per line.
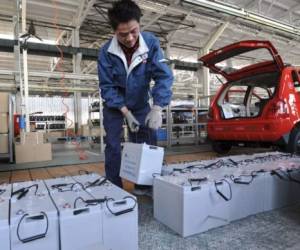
51 114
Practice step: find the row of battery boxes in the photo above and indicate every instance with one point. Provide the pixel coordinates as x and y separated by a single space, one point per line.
193 197
68 213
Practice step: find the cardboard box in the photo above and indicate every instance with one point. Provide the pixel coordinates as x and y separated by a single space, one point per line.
32 137
95 132
53 135
24 153
3 143
44 152
85 131
4 102
3 123
33 152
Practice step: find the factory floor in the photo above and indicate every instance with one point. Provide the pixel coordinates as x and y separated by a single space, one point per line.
278 229
68 153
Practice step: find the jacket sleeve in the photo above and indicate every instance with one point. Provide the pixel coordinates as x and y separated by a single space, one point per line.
109 91
162 76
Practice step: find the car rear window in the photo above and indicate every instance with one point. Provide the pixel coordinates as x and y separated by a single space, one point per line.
247 97
296 82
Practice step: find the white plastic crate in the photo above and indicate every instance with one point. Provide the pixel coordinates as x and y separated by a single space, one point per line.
33 219
248 194
140 162
279 187
4 216
191 209
80 225
119 212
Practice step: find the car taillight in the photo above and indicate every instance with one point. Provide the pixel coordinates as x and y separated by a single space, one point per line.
279 108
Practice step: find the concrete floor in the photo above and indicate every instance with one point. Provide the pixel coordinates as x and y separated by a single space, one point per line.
70 154
278 229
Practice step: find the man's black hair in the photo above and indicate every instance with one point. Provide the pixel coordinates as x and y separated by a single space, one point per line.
123 11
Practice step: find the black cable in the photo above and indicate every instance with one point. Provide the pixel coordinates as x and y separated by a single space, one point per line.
94 202
220 193
36 188
291 178
156 174
282 177
35 237
77 199
60 187
215 165
255 172
2 191
77 183
198 180
89 202
83 171
233 162
24 190
238 180
123 211
97 183
93 183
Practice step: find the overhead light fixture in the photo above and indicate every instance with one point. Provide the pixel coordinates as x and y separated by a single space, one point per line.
246 15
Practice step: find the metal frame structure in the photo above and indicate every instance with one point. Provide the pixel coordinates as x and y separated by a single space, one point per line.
186 29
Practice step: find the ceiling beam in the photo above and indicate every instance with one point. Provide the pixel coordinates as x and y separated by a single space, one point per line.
247 16
65 7
82 12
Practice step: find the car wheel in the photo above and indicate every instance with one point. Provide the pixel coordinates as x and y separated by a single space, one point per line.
221 147
294 141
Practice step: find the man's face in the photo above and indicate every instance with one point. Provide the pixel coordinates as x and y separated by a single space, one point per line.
128 33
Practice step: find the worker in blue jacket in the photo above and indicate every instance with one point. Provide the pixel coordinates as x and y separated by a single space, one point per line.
126 65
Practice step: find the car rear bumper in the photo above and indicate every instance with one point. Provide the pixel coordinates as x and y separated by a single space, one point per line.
262 131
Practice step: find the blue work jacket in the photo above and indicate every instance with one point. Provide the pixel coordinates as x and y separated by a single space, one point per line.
123 85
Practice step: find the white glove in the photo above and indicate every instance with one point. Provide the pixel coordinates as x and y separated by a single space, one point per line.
154 118
132 123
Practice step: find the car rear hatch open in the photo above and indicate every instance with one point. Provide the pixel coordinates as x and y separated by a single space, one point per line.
266 59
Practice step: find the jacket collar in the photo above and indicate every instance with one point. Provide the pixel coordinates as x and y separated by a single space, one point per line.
115 49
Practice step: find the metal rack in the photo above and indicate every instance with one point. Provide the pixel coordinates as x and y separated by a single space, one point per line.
95 107
190 131
49 123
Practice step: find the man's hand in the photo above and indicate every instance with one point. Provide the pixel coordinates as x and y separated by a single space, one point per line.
154 118
132 123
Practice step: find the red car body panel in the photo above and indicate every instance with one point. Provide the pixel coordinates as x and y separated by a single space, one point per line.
210 60
269 125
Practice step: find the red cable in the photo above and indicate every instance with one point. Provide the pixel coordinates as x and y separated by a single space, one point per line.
79 150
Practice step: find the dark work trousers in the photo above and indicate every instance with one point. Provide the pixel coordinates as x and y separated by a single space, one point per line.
113 124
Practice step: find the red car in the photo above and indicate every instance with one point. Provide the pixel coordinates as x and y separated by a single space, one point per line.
259 103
